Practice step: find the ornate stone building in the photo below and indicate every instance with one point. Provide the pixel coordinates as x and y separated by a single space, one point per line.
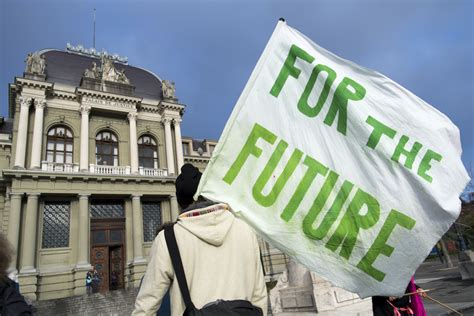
88 159
89 156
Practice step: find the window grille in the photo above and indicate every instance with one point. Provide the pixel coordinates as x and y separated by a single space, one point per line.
151 220
56 224
106 210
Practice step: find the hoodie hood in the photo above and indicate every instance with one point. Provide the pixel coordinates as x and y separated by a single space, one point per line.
210 224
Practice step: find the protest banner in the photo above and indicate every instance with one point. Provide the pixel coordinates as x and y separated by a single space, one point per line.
338 166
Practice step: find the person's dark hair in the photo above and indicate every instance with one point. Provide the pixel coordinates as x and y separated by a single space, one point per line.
186 184
6 255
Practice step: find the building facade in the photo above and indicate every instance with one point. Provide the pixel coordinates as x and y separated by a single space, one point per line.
88 156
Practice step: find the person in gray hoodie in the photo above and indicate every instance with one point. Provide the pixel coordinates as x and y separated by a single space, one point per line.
220 255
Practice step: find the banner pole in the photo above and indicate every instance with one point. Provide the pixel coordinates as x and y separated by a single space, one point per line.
444 305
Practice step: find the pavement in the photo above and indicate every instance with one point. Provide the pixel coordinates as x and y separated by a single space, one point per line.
446 286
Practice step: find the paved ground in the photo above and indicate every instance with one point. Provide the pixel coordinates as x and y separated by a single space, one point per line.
448 288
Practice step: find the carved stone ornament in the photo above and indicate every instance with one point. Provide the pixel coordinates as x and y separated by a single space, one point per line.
132 115
107 72
166 120
35 64
169 89
177 121
85 109
40 104
93 73
24 101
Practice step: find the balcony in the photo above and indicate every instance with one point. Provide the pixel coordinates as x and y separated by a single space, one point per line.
59 167
100 169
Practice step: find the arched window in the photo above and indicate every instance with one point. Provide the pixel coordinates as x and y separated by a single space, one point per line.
60 145
147 152
106 149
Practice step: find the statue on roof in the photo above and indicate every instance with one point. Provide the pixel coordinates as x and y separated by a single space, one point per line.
110 73
121 78
93 73
35 64
169 89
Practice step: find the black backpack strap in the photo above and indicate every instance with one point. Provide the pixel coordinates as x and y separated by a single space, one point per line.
177 264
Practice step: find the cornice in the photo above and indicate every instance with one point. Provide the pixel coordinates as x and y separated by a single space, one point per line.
164 105
35 84
62 95
80 92
149 109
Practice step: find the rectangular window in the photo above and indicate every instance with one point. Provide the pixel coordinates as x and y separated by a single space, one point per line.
56 224
186 149
211 148
151 219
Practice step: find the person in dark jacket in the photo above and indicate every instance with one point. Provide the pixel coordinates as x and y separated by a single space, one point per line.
12 302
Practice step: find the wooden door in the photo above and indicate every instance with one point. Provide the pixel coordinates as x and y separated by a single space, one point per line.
100 261
107 251
116 267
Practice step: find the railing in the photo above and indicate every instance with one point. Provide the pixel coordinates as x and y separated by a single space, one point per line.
99 169
151 172
59 167
115 170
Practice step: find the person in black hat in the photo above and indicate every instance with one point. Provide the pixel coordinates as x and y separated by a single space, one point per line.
220 255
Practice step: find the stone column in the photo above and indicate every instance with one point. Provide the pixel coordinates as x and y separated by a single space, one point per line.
169 146
137 229
83 229
132 118
36 148
179 144
14 218
20 151
28 249
84 162
174 208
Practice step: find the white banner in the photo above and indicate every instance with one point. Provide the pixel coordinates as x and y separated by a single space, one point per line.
338 166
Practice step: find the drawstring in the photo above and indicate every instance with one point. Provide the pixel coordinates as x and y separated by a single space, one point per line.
396 310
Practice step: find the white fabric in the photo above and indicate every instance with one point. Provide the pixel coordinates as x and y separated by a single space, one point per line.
423 193
221 260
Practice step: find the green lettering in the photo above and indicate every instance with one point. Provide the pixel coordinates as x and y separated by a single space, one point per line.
409 154
340 100
303 105
380 246
289 68
250 148
379 130
319 202
330 217
314 168
268 171
425 164
348 229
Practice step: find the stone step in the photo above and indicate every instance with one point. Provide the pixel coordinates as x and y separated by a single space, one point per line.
118 302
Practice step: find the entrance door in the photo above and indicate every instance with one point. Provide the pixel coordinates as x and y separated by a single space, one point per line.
100 261
107 252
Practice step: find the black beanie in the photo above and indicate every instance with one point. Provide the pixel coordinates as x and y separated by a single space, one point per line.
186 184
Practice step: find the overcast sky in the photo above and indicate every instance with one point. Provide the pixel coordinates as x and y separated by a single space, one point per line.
209 48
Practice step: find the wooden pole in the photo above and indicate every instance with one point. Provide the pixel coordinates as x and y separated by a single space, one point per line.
444 305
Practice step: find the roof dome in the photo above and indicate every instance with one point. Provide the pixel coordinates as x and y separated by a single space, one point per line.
68 68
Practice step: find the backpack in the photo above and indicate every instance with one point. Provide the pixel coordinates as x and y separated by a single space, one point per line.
219 307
